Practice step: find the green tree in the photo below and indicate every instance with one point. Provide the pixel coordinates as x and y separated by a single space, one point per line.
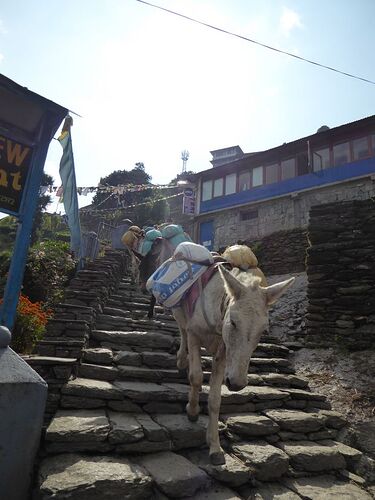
136 176
184 176
43 201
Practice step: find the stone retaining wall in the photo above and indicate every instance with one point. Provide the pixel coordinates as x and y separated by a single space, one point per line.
341 274
282 252
68 332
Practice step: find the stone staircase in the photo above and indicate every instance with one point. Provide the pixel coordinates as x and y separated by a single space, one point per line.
121 431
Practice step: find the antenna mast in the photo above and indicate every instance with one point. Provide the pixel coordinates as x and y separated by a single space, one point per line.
184 157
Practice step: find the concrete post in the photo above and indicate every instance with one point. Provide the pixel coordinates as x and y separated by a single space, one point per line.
23 395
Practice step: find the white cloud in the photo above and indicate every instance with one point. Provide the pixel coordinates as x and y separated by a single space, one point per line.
289 20
1 57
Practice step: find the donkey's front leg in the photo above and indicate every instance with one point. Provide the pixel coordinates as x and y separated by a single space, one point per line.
195 376
182 353
214 400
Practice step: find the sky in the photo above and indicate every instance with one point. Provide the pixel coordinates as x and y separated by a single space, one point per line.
149 84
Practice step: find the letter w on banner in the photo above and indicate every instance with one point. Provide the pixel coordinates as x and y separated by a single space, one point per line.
68 179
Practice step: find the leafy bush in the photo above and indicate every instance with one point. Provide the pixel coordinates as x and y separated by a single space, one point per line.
49 267
29 328
4 268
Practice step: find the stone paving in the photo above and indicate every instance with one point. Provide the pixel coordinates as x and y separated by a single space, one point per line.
121 432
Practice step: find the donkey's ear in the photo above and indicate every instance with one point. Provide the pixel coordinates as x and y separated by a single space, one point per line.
232 286
275 291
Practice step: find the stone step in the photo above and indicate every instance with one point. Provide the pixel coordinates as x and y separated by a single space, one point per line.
98 372
170 394
105 430
267 462
312 487
270 365
91 389
137 312
174 475
105 477
128 280
154 374
311 457
98 356
234 473
271 350
121 323
130 297
254 397
138 308
160 359
123 340
313 424
251 425
310 425
151 359
266 350
260 365
136 366
128 287
177 475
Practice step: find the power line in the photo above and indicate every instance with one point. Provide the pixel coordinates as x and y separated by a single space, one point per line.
257 43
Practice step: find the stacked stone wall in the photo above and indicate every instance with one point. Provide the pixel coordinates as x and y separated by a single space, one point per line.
282 252
341 274
68 332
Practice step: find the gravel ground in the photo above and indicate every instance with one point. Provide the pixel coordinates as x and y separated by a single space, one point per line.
347 379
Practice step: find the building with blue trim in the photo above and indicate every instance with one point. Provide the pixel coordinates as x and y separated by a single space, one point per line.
250 195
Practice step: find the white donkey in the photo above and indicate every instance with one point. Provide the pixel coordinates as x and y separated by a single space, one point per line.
228 320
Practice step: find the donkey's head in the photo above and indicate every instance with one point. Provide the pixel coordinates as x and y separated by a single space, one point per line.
246 318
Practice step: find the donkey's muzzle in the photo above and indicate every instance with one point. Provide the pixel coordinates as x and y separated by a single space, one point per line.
232 386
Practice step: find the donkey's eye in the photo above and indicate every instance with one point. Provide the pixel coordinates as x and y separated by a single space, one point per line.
233 323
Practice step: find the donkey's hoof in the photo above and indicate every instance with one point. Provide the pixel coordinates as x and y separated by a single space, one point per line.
193 418
217 458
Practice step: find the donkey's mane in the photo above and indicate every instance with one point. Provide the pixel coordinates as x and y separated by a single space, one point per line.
247 278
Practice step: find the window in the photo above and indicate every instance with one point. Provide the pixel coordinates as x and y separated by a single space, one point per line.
257 176
249 215
244 181
302 164
341 154
218 187
272 173
360 148
288 169
206 190
230 184
321 159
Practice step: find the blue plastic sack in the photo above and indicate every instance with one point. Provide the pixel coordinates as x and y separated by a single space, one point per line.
179 238
153 234
145 247
171 230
